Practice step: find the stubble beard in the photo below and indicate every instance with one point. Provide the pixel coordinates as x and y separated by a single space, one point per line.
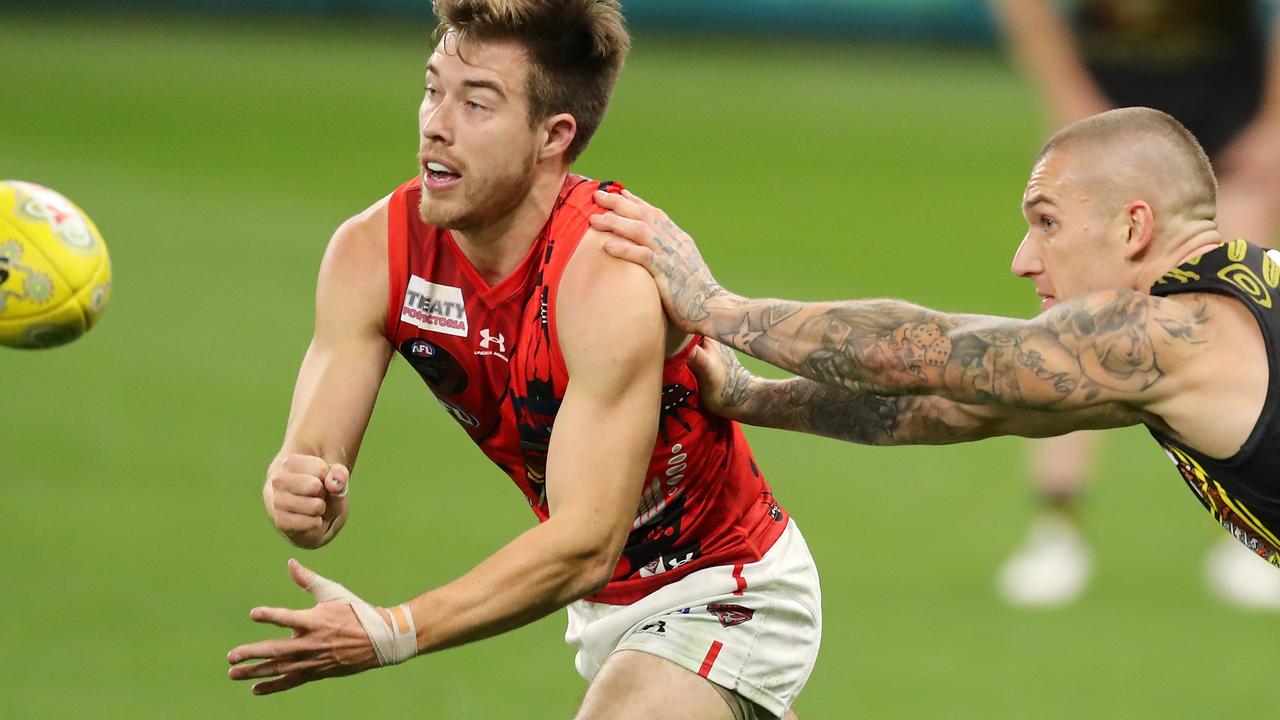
481 203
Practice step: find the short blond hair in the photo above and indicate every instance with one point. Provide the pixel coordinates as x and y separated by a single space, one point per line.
1179 153
576 50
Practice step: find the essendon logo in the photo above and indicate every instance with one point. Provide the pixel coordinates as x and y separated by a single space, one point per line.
731 615
437 308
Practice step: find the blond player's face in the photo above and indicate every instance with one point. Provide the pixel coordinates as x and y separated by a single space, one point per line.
476 147
1068 249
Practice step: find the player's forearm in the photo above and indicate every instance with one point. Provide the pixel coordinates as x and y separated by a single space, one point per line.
539 572
803 405
876 346
1099 349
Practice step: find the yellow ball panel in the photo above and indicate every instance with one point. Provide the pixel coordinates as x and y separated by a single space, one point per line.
30 285
57 326
94 296
64 234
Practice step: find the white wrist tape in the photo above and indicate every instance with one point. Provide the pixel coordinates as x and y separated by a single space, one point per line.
393 644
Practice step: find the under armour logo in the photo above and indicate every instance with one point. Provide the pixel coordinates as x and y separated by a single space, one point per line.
487 339
656 628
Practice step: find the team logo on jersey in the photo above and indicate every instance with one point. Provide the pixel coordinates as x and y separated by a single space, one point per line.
437 308
492 345
441 370
460 415
1243 277
731 615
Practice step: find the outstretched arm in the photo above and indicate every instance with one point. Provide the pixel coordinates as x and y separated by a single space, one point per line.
1114 346
803 405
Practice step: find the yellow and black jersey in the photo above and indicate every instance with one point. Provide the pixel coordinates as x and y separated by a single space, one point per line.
1242 491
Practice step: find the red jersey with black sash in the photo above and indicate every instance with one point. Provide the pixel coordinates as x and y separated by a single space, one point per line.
492 358
1242 491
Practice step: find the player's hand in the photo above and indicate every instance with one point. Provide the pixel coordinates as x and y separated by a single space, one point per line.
308 498
646 236
327 640
723 383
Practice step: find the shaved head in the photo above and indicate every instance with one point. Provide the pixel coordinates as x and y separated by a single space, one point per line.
1139 154
1114 201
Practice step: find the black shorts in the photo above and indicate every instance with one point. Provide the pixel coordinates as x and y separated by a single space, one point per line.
1214 100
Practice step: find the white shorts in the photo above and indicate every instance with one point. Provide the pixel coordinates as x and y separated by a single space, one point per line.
754 631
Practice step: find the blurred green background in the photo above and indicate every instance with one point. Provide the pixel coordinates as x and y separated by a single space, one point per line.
217 156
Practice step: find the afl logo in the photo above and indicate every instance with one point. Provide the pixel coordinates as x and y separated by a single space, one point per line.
437 367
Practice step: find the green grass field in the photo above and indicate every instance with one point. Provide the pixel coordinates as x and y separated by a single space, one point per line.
218 156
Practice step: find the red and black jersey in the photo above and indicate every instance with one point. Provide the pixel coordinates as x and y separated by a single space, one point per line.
1242 491
492 358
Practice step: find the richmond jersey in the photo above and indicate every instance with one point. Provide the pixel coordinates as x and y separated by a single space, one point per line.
492 358
1242 491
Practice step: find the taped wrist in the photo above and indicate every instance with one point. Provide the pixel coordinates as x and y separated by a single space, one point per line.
394 643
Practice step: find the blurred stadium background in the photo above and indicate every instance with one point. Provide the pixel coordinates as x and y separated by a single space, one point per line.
818 149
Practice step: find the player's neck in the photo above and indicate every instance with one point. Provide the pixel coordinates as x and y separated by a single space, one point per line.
1200 241
496 249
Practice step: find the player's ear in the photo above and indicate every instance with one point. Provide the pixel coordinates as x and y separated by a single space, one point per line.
1140 229
558 132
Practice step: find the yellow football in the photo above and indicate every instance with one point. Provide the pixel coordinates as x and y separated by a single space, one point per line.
55 276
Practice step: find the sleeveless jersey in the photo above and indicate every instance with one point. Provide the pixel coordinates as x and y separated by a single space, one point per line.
491 356
1242 491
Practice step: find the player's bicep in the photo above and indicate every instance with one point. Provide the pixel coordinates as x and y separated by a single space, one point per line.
348 355
1108 347
611 334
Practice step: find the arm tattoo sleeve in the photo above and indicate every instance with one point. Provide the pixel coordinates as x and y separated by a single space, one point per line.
1101 348
803 405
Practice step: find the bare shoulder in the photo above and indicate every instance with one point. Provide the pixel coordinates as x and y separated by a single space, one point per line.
353 284
597 282
362 239
606 305
1216 360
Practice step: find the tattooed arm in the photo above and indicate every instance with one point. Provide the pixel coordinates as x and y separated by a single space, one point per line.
1114 346
803 405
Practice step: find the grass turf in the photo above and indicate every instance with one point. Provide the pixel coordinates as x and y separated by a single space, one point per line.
217 156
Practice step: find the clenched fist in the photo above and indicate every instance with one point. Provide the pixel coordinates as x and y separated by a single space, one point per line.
306 498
